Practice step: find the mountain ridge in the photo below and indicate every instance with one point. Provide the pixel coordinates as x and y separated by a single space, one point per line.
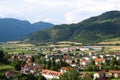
14 29
89 31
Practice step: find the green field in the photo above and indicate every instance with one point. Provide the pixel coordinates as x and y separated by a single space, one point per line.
113 48
4 68
114 41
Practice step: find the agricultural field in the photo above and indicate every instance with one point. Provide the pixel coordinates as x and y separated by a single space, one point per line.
4 68
30 48
16 48
68 42
114 48
114 41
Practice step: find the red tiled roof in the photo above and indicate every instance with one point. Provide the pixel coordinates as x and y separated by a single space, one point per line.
50 72
38 67
28 65
67 68
66 56
114 71
64 68
83 60
101 72
99 59
22 65
98 65
117 52
28 60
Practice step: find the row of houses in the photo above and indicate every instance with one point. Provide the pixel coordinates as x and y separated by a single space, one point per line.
102 74
49 74
81 48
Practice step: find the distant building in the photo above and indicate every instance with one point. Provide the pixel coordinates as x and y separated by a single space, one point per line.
13 42
95 47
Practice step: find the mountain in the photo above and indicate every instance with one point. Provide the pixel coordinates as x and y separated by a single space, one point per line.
89 31
39 25
13 29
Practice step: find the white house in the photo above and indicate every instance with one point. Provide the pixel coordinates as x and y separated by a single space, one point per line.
84 62
83 48
63 69
49 74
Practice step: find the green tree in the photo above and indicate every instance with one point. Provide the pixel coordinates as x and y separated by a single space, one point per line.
1 56
16 64
40 77
33 59
2 76
112 63
70 75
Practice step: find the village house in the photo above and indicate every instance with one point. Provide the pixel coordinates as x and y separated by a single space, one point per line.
12 57
21 57
114 73
69 60
64 50
74 65
63 69
100 75
95 47
83 75
87 58
108 57
99 60
93 54
83 48
93 57
117 55
49 74
101 56
38 68
10 74
98 66
83 63
27 68
13 42
57 60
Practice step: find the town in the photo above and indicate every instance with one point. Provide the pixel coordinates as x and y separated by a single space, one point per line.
59 62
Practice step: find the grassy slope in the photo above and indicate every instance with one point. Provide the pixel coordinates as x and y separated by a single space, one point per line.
110 41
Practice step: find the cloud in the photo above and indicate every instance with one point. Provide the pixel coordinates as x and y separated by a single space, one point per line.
56 11
47 3
84 9
69 17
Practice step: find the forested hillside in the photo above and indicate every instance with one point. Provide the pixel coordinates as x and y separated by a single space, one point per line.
90 31
13 29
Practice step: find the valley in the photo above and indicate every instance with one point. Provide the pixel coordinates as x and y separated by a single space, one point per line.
89 49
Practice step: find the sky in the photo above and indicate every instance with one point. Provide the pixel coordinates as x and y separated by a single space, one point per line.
55 11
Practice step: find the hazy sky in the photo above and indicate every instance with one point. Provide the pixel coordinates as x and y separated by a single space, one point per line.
55 11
